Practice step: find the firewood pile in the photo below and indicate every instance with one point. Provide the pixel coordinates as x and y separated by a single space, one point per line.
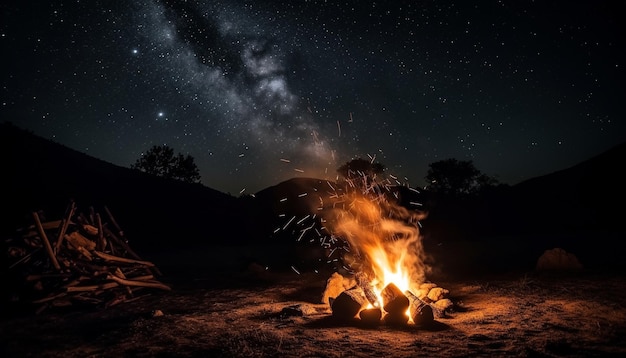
81 259
354 299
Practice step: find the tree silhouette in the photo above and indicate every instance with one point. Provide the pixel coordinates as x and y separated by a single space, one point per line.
454 177
160 161
361 173
359 168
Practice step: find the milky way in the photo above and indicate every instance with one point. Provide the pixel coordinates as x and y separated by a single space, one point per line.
262 91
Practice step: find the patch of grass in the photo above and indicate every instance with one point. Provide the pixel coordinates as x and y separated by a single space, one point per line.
253 343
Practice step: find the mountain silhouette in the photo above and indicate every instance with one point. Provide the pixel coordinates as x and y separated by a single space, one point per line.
579 207
588 196
44 176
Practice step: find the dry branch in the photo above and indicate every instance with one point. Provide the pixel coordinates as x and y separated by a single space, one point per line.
152 284
87 263
112 258
44 238
65 223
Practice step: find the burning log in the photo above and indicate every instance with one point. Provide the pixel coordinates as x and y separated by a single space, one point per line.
364 282
394 301
396 319
420 312
371 316
398 308
86 264
348 304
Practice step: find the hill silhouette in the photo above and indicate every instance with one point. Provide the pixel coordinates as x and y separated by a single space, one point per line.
41 175
587 196
576 208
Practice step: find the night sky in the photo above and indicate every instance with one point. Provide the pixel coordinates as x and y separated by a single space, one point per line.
262 91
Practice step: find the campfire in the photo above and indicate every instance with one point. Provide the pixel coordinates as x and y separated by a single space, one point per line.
388 283
377 242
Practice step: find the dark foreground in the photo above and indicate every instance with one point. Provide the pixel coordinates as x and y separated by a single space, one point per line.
257 313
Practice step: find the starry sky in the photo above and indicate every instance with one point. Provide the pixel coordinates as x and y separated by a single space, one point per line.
262 91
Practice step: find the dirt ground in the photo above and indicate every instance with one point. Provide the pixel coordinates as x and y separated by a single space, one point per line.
264 314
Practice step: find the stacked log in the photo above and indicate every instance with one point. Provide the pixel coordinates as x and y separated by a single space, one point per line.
348 304
79 259
420 312
395 303
371 316
398 308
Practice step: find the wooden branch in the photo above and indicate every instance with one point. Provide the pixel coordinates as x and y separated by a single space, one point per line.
25 258
123 244
101 244
91 300
77 240
126 247
139 283
92 219
119 273
42 276
119 230
48 225
44 238
103 286
59 240
50 298
143 278
76 281
84 265
85 253
112 238
108 257
66 223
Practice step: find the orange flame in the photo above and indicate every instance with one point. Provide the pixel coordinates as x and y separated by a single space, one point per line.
386 238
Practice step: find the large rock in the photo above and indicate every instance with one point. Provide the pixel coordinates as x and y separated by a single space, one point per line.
335 285
558 259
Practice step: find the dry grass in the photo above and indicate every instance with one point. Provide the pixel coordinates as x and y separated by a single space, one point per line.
519 315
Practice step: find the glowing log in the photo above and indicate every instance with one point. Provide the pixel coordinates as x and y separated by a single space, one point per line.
394 301
396 319
364 282
371 316
420 312
348 303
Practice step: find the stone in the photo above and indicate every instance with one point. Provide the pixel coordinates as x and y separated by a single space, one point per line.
557 259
